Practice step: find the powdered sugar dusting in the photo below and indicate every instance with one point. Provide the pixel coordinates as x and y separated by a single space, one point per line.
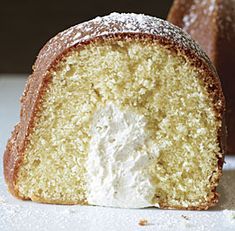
189 20
212 6
134 23
207 6
113 25
223 10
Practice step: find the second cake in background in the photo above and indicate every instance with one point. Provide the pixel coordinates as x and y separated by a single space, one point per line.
212 24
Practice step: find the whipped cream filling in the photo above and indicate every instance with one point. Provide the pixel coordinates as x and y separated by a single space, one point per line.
120 154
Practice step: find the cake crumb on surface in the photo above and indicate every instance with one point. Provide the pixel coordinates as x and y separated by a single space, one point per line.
185 217
143 222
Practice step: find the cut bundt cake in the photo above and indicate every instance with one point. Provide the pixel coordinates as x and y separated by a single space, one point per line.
212 24
123 111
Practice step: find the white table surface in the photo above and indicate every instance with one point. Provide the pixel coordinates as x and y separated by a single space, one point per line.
27 215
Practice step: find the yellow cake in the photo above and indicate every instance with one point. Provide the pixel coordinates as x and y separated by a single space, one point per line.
123 111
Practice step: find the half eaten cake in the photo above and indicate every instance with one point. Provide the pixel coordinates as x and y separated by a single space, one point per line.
123 111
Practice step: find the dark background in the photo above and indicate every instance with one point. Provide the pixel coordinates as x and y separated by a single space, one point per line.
25 25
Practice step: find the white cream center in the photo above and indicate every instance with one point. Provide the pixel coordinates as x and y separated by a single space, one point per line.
120 154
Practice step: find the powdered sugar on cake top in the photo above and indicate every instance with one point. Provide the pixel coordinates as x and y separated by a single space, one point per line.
114 24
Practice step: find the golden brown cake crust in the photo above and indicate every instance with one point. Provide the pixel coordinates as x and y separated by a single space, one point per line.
113 27
212 25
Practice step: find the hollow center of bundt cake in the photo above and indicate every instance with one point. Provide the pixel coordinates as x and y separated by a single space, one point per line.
123 123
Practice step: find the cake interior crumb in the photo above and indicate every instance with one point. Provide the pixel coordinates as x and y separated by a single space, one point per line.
146 78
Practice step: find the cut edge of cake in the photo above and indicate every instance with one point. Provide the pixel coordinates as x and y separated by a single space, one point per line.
123 27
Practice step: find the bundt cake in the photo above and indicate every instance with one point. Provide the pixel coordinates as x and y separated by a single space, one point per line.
122 111
212 24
